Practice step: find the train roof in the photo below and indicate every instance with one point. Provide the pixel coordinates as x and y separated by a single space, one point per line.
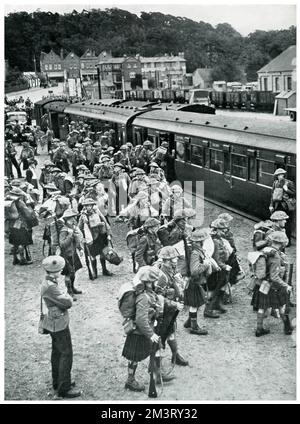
246 131
57 106
113 113
48 100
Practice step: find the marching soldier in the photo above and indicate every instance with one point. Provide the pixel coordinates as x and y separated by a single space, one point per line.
60 158
96 232
273 291
138 178
46 176
283 197
138 210
167 286
149 244
70 241
176 202
200 268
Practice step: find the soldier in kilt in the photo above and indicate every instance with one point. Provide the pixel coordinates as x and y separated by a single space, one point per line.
200 268
273 291
138 344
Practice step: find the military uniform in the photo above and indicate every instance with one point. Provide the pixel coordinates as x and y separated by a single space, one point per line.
148 245
56 323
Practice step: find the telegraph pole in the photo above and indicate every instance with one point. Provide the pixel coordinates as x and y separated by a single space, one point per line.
99 82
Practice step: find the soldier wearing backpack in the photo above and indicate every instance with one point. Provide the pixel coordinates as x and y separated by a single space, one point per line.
148 244
273 289
200 267
283 197
168 286
147 310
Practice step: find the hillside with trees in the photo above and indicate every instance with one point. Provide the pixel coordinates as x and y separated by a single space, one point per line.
222 48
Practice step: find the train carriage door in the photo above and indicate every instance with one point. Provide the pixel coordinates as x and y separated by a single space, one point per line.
226 163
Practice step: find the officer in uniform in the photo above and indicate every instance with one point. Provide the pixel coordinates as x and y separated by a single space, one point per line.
149 244
273 291
56 323
168 286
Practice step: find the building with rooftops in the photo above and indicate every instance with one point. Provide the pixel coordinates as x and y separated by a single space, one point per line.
166 71
279 74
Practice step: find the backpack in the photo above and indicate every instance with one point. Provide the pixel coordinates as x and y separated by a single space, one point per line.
132 239
259 234
258 264
127 307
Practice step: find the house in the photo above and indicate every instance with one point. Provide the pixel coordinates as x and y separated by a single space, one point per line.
88 63
32 78
279 74
202 78
72 65
52 65
166 71
119 70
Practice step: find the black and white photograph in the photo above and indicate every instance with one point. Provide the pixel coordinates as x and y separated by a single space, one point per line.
149 176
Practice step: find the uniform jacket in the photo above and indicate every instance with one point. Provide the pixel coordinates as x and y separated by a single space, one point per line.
91 219
220 254
197 267
147 249
70 240
276 270
147 311
289 193
57 303
45 178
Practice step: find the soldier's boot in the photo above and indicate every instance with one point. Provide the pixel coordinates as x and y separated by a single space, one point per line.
104 269
28 255
176 357
15 255
23 260
160 376
261 331
69 288
209 312
131 382
195 329
188 323
218 305
287 326
74 290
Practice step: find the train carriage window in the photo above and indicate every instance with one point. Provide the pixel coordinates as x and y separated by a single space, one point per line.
216 160
239 166
265 173
226 162
187 152
252 169
291 173
180 150
198 155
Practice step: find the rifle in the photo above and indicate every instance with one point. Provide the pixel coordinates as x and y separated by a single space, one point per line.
88 259
163 333
289 281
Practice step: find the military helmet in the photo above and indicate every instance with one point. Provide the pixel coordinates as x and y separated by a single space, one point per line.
176 188
200 234
69 213
120 165
168 252
219 224
179 214
225 217
279 171
154 165
278 216
151 222
53 263
97 144
88 201
50 186
147 143
278 237
110 149
147 273
48 163
124 147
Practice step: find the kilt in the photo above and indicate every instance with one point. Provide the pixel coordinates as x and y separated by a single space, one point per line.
20 236
216 280
274 299
194 295
137 347
72 265
98 244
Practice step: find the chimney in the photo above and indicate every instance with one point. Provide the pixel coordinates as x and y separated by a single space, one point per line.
61 53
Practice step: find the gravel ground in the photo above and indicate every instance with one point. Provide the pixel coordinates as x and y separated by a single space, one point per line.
228 364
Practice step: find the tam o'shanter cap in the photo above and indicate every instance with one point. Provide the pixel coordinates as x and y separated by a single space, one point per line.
53 263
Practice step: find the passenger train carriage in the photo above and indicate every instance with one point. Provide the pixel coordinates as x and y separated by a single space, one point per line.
235 157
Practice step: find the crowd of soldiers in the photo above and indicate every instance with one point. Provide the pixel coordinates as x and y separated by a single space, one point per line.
87 184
